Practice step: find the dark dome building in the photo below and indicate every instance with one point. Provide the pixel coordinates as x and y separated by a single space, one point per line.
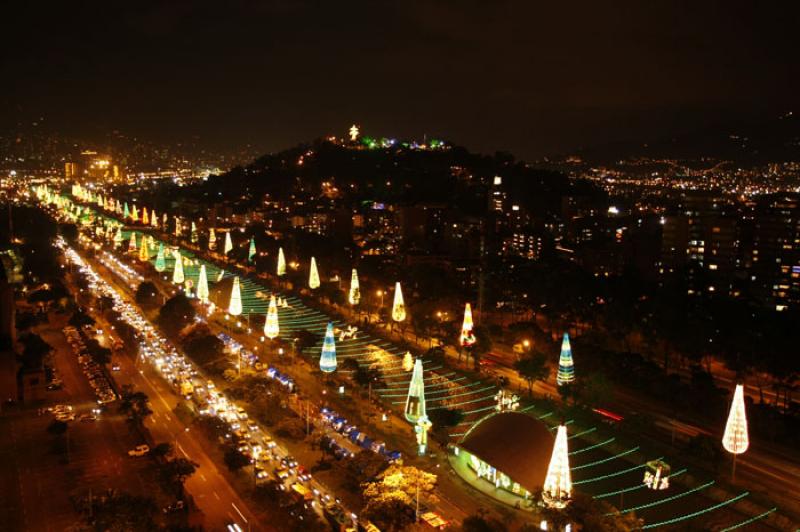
510 450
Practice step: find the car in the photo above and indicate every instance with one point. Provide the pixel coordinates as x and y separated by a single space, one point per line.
115 367
139 450
54 386
87 418
65 417
174 507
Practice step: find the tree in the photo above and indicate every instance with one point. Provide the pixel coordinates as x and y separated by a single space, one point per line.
389 512
147 294
175 471
57 428
100 355
177 313
122 513
234 459
80 318
203 346
134 404
291 427
482 522
34 350
532 368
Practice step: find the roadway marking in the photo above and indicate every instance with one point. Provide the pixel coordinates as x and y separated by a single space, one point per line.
203 477
217 496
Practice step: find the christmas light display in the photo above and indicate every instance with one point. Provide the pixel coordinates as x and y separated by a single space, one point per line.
132 243
118 238
154 220
408 361
177 270
281 269
202 285
327 361
398 307
161 263
144 253
566 371
178 227
467 337
736 440
145 217
355 291
313 275
557 488
271 327
193 235
126 213
235 303
228 243
135 213
251 253
212 239
415 401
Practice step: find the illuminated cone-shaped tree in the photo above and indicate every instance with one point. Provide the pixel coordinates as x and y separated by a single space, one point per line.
251 253
408 361
566 371
327 361
177 270
736 440
126 213
144 253
178 228
154 220
228 243
212 239
415 401
164 222
145 217
557 488
398 307
467 336
271 328
132 243
285 303
161 263
235 303
118 237
355 291
152 243
135 213
281 270
193 237
202 285
313 275
119 210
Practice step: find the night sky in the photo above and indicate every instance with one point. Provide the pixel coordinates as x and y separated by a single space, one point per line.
527 77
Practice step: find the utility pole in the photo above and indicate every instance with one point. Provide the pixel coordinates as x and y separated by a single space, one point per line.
481 273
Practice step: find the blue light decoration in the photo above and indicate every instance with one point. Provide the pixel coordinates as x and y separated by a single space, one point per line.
327 362
566 369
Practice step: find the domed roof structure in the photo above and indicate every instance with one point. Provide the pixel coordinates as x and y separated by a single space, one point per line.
514 443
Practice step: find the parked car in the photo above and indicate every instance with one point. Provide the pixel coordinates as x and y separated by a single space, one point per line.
139 450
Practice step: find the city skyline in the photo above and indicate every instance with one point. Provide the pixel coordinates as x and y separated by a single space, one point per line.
530 80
